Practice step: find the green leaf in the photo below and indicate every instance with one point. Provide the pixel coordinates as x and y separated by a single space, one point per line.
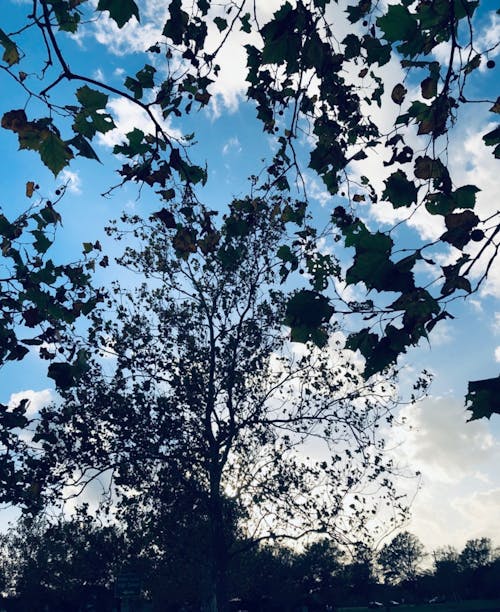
220 23
492 138
379 353
363 341
184 242
399 191
352 46
62 374
429 87
428 168
176 25
376 51
357 12
120 11
166 217
11 53
135 146
55 153
459 227
465 196
83 147
398 23
306 312
474 63
245 23
398 93
482 398
91 99
41 243
90 119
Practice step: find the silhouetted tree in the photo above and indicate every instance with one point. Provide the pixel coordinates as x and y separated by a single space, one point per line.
474 562
62 565
447 571
205 398
400 559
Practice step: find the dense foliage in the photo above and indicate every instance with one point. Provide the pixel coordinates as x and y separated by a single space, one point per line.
192 393
302 80
74 563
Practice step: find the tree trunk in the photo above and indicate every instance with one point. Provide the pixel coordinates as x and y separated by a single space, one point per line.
218 547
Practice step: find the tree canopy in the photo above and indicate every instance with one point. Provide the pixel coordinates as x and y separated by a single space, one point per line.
305 81
203 403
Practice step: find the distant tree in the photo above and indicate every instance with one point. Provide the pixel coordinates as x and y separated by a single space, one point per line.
476 553
359 574
266 577
204 399
475 559
61 565
400 559
319 570
447 571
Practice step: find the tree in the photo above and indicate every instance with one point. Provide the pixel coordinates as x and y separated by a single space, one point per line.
400 558
447 571
476 553
205 400
63 564
301 78
359 575
320 570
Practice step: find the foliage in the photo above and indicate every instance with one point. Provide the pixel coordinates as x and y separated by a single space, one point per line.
401 557
39 301
300 79
61 564
38 298
71 563
476 553
203 397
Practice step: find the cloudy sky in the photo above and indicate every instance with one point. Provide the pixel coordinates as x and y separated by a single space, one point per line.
460 488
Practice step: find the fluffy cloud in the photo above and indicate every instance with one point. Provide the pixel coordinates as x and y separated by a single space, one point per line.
37 399
460 487
483 509
497 354
443 445
128 116
73 181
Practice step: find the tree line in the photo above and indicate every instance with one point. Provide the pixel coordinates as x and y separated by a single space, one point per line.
76 563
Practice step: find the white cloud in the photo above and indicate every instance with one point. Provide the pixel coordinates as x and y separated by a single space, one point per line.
497 354
496 323
233 145
98 75
482 507
73 181
37 399
128 116
134 36
488 37
458 461
442 334
442 444
317 190
476 305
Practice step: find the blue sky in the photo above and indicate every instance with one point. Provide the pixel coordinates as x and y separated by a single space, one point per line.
460 492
